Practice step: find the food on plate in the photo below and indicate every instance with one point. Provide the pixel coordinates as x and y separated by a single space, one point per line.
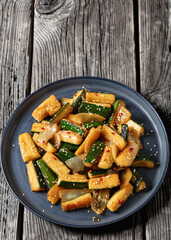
84 151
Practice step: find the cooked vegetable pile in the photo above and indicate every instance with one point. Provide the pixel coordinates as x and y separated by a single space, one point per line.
84 151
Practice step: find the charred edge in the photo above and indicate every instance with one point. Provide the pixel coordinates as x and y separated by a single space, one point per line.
30 50
136 40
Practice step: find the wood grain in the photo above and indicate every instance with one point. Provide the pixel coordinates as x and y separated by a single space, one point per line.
14 63
83 38
155 74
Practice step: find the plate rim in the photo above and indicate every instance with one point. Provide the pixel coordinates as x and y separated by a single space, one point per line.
99 224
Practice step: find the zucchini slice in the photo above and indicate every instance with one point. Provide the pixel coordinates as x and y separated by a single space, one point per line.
80 202
125 177
92 136
127 156
143 160
93 153
62 113
122 116
95 109
124 131
53 194
116 108
69 125
106 160
73 181
48 174
92 124
36 179
109 181
47 146
41 127
100 97
66 100
28 148
70 137
119 197
55 164
96 173
69 146
47 108
137 181
64 154
77 99
136 127
111 135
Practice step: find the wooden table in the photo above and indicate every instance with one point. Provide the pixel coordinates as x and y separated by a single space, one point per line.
44 41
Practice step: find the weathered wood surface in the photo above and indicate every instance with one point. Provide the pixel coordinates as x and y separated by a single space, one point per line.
14 68
155 75
85 37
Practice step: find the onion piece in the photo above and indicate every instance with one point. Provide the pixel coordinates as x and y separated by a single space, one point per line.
70 194
100 199
75 164
56 140
47 134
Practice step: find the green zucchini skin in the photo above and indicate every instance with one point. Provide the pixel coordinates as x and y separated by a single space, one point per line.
58 113
39 174
144 156
48 174
64 154
77 102
77 185
124 131
95 109
69 146
67 125
94 152
92 124
115 106
97 172
136 179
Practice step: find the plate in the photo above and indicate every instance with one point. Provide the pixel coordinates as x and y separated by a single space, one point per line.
155 142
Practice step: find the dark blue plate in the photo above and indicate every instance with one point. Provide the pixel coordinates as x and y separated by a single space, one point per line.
154 141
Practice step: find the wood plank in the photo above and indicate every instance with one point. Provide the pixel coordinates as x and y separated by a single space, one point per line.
155 74
14 58
84 37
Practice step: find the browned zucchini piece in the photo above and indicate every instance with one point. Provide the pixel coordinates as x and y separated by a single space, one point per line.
111 135
41 127
66 100
127 156
53 194
106 160
100 97
123 116
136 127
119 197
143 164
125 177
99 104
55 164
28 148
80 202
35 176
47 108
108 181
47 146
70 137
73 181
